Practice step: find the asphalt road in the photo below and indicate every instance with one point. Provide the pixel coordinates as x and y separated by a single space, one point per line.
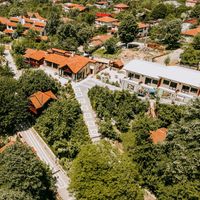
32 138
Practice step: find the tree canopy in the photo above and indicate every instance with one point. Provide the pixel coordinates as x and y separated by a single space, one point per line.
20 170
121 106
63 128
36 80
128 29
14 105
100 172
170 169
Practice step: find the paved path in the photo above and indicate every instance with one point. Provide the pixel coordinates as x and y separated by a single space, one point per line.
12 65
32 138
81 94
174 57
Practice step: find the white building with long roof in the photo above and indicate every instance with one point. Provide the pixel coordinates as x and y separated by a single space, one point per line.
183 82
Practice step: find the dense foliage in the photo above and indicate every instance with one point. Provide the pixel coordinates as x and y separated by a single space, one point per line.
8 194
167 32
63 128
128 29
121 106
190 57
36 80
13 104
23 176
100 172
170 169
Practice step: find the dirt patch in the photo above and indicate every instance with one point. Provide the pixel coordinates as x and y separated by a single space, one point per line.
145 54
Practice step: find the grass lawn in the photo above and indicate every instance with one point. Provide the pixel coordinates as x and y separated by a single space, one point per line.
102 53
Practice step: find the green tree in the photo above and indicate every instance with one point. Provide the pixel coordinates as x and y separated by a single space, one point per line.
21 170
19 46
19 30
19 61
196 42
13 106
6 71
63 128
190 57
32 81
168 32
2 49
106 130
100 172
128 29
53 22
196 11
170 169
110 46
70 44
159 12
8 194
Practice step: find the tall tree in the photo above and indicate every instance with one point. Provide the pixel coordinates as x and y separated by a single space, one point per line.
32 81
100 172
21 170
159 12
128 29
13 106
168 32
53 22
196 42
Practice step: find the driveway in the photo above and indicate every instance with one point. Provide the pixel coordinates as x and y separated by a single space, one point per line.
174 57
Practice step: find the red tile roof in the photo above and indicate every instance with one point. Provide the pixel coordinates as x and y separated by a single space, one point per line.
76 6
27 25
12 24
103 15
142 25
106 19
158 135
39 29
56 59
27 20
121 6
76 63
102 2
118 63
8 31
36 15
3 20
192 32
14 19
35 54
100 39
40 24
39 99
193 21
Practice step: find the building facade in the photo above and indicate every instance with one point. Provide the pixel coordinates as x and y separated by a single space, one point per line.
175 81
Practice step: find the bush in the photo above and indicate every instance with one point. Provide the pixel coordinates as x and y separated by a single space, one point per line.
20 62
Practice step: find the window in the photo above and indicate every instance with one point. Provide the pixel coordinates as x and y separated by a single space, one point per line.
185 89
147 81
130 75
155 82
165 82
137 76
173 85
194 90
